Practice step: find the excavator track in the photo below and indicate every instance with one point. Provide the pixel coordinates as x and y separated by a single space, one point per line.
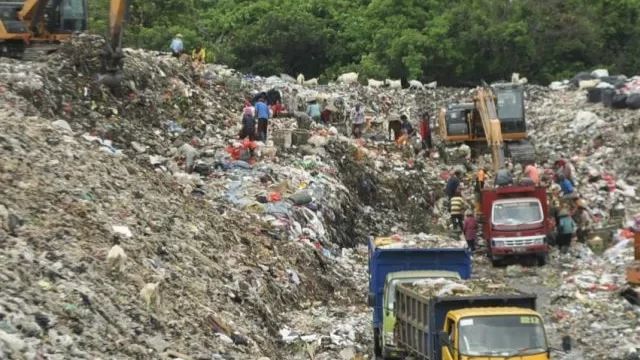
521 151
39 52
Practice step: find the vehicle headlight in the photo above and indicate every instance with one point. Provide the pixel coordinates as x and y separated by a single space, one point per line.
538 241
498 243
389 338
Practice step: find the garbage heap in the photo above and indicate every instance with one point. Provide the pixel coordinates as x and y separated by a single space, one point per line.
601 143
134 225
590 298
110 247
592 304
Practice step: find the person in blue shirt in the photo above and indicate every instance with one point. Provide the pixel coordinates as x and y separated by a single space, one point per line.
313 110
565 185
177 46
452 184
262 113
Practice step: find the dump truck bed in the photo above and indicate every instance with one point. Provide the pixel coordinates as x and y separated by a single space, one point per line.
385 259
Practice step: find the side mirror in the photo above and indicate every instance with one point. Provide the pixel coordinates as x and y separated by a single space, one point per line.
371 301
443 338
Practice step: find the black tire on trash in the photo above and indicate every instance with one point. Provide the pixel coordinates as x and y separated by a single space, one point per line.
594 95
619 101
607 97
377 345
633 101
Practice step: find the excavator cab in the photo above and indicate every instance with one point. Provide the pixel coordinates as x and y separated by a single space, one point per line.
510 107
29 29
73 15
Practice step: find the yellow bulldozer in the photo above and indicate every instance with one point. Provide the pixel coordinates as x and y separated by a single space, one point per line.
32 28
495 118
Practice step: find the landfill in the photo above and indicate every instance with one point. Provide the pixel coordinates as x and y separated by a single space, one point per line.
135 224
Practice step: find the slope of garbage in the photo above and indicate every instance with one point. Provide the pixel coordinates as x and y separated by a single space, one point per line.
110 248
134 224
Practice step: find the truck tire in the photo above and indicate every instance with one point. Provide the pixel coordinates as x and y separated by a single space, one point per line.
377 345
543 259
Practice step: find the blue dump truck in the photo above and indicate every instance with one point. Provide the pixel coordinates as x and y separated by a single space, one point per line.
393 262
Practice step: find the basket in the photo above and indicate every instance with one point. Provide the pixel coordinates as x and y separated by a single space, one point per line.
300 137
282 138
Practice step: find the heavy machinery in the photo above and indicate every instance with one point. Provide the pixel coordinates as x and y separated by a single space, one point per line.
31 28
34 27
496 117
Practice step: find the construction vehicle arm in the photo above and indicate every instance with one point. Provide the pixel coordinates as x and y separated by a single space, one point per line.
484 102
113 57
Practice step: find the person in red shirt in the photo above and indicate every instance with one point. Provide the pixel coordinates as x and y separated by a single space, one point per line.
470 228
425 132
277 108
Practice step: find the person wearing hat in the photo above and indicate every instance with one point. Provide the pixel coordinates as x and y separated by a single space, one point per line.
583 219
177 46
566 228
470 229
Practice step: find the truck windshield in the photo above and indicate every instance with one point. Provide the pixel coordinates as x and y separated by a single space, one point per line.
504 335
509 104
517 212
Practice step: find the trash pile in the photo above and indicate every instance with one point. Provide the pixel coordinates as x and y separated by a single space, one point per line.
421 240
600 142
334 330
588 305
455 287
112 248
616 91
135 224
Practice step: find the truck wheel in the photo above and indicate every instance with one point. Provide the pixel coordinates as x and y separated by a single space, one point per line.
377 346
543 259
495 262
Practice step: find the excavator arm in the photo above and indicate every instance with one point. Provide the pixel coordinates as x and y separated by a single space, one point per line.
486 107
113 57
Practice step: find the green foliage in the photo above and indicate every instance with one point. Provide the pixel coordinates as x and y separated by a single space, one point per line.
452 41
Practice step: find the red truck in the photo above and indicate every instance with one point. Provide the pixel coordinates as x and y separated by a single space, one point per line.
516 222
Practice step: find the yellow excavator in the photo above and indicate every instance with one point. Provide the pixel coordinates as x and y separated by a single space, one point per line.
32 28
496 117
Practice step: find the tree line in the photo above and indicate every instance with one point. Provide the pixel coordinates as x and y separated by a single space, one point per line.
454 42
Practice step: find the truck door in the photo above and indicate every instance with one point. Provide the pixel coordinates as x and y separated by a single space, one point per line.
450 328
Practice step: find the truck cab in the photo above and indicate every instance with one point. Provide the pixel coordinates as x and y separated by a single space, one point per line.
387 343
494 333
516 222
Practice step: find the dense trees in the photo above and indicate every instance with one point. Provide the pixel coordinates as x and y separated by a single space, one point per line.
452 41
